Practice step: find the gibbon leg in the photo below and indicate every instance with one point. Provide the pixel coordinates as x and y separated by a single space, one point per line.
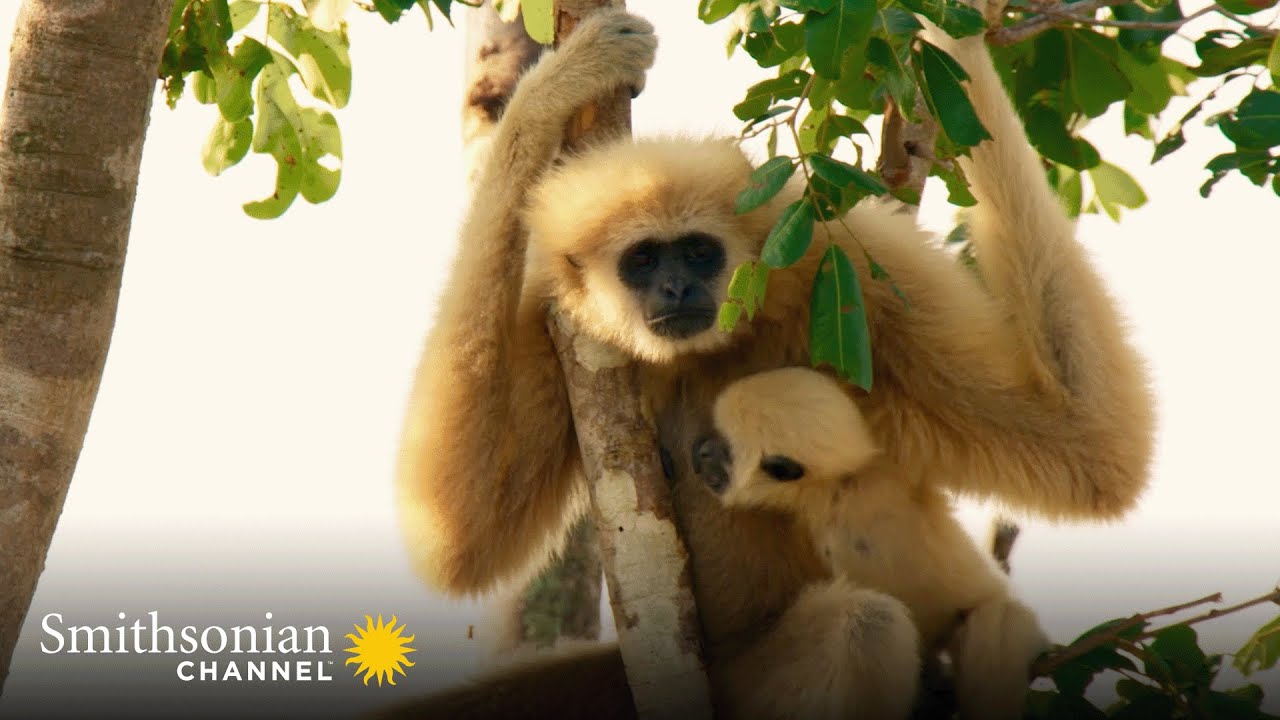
837 652
992 653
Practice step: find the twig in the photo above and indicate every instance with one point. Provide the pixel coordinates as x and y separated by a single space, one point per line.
1273 596
1051 15
1049 663
1081 13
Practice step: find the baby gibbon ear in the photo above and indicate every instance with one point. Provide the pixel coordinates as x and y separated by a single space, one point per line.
796 413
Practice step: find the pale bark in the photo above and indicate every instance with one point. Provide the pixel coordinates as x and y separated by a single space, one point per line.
80 84
563 601
646 563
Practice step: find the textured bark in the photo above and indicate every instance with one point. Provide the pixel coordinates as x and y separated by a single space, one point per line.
80 84
563 601
646 563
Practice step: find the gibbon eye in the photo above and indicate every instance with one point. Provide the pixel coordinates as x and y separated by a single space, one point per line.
703 251
638 260
782 468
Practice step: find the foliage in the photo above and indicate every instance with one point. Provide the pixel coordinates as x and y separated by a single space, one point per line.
839 62
247 76
1161 673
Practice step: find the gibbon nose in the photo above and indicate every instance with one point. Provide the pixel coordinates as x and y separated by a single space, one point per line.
674 288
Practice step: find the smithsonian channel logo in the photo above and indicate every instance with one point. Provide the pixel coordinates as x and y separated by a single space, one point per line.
240 653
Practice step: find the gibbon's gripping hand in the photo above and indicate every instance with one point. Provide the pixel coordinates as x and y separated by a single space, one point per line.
608 50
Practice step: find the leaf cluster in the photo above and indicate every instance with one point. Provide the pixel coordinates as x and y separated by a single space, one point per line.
248 77
1161 673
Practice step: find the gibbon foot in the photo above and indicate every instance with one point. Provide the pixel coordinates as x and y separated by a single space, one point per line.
992 652
838 652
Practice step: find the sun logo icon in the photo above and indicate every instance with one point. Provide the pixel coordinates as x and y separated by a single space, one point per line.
379 650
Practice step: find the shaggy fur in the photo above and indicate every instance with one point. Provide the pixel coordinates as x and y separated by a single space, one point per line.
880 531
1022 387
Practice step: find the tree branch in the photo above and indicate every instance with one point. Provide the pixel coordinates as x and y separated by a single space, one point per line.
1081 14
1047 664
646 564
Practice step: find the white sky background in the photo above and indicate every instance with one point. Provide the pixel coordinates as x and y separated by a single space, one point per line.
248 417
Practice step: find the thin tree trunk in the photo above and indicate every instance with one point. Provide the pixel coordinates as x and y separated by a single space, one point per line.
80 84
563 601
645 560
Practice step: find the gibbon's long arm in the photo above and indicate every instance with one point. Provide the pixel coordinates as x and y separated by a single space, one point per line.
1029 392
488 472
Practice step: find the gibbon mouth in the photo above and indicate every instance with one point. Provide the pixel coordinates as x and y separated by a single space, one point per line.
681 324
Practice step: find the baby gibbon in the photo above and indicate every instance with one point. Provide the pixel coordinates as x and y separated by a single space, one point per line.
793 440
1020 387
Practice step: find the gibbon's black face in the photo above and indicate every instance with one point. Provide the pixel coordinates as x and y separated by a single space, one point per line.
673 282
713 462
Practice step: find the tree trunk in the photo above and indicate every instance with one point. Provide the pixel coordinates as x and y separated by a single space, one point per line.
80 84
645 560
563 601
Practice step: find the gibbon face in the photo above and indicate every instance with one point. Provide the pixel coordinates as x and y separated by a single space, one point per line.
637 242
673 282
780 434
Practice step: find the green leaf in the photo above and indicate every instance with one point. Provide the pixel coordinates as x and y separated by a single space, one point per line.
728 317
1070 189
226 145
957 187
895 75
301 140
896 21
790 237
1262 650
1177 646
322 57
821 6
1093 79
759 284
775 44
838 333
1145 43
765 182
957 19
761 96
1048 133
828 36
1137 123
947 99
1218 58
1256 122
243 12
1253 164
391 10
1150 82
1273 61
740 283
847 176
834 127
539 20
1115 187
710 11
234 79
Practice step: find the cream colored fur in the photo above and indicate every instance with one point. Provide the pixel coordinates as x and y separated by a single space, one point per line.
1023 386
880 531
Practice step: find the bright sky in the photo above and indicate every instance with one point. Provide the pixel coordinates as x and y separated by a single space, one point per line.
244 435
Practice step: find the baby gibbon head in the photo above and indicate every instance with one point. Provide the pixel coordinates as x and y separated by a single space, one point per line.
637 241
779 434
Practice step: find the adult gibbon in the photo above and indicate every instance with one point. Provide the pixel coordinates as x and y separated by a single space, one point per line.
792 440
1021 386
